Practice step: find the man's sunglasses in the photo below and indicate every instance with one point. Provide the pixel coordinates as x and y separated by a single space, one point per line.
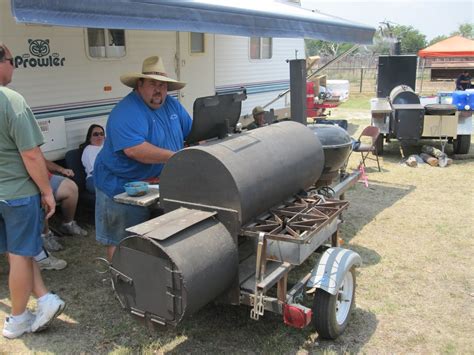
97 134
9 60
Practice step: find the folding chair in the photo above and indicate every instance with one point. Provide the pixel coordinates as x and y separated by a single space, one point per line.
366 148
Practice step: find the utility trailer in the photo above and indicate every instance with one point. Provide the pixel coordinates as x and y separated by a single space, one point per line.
288 235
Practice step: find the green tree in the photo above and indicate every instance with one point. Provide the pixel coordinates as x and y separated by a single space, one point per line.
324 48
381 44
411 42
411 39
465 30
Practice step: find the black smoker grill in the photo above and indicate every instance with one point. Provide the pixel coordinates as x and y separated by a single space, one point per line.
239 214
406 121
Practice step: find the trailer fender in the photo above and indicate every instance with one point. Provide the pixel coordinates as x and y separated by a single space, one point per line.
332 267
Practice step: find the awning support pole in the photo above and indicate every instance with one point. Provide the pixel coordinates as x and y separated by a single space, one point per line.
422 74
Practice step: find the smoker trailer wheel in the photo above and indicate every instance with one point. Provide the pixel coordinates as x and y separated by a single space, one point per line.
462 144
332 312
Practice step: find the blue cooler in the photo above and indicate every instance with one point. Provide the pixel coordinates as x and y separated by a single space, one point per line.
461 100
470 98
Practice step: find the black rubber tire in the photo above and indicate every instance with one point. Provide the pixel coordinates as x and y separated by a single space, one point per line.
324 313
440 109
379 145
462 144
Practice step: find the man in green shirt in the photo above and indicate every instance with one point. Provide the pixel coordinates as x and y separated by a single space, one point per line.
258 114
24 188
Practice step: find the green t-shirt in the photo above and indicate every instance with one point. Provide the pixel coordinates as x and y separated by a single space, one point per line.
19 132
251 126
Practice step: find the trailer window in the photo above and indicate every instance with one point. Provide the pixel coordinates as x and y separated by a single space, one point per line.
197 42
261 47
106 43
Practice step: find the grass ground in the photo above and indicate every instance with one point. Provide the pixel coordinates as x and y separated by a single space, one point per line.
412 227
358 101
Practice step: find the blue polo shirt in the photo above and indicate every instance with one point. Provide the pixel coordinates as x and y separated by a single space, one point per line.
131 123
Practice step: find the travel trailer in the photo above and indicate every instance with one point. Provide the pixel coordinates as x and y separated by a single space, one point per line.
68 69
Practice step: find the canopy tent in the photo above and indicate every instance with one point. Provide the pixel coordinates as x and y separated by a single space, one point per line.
250 18
456 46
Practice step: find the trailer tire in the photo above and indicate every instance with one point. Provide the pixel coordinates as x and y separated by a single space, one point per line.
440 109
462 144
379 145
330 315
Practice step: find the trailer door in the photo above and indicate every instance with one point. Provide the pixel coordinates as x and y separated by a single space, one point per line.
196 67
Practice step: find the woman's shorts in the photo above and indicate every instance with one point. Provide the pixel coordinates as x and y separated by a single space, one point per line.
55 181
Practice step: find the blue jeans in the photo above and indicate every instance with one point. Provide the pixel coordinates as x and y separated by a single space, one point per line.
21 221
112 218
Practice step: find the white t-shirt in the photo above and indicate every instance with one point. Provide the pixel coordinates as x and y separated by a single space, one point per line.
88 158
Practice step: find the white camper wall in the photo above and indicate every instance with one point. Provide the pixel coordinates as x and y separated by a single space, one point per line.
75 92
82 79
267 77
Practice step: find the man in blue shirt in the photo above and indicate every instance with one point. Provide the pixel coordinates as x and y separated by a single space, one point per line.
143 131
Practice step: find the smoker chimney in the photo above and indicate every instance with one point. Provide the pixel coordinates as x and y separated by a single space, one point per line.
298 90
396 47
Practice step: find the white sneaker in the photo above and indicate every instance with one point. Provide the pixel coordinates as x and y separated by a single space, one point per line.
47 310
52 263
50 242
13 329
72 229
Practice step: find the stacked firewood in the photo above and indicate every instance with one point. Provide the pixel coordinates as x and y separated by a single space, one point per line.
431 156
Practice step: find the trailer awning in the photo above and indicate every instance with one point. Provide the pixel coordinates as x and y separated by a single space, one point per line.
252 18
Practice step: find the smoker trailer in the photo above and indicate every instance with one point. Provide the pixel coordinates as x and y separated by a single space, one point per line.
239 214
400 114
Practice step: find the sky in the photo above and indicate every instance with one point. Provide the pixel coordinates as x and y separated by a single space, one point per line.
431 18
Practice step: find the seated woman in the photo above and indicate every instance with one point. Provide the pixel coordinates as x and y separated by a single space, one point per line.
90 148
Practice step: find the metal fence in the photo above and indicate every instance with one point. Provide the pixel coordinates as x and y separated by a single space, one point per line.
364 79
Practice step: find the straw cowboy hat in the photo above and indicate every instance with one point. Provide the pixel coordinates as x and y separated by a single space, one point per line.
153 68
257 110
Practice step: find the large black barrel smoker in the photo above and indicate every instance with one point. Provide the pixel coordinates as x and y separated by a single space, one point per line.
177 263
239 213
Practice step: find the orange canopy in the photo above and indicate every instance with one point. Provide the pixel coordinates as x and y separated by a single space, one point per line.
456 46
